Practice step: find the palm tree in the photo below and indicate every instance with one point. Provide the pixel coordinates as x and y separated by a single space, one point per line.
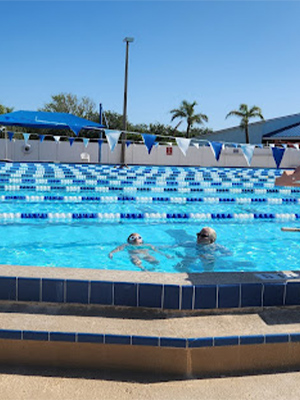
245 114
187 111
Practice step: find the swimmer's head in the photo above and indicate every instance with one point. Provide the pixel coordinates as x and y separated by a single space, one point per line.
135 238
206 236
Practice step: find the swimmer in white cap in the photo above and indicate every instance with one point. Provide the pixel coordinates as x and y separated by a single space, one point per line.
138 251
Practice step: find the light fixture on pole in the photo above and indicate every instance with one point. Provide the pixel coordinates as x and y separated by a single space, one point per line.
123 150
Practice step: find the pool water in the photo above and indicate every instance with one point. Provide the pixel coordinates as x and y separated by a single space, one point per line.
45 217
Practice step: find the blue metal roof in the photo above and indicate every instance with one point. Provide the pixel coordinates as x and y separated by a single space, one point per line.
289 132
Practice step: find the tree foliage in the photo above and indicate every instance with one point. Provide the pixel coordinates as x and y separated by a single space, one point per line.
187 111
246 114
69 103
5 110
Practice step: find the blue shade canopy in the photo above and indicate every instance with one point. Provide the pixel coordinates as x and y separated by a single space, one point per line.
42 119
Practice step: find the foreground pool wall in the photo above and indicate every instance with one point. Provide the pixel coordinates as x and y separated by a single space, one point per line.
168 296
138 155
164 361
48 289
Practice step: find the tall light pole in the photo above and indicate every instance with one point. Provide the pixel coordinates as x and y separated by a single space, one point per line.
123 150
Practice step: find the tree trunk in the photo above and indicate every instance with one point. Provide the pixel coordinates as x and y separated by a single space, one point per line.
188 130
247 134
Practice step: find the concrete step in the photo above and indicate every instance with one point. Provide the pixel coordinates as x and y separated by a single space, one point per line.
148 340
146 322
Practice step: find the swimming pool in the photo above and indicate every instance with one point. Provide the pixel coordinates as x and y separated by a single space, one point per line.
73 215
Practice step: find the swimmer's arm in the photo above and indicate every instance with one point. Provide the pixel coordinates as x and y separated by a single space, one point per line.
158 251
224 250
117 249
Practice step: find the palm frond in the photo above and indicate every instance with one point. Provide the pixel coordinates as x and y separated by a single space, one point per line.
235 113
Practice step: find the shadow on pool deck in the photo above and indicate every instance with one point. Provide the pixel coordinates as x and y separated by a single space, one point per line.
269 316
114 375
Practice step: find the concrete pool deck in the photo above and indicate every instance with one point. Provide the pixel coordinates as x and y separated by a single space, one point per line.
146 322
215 278
47 384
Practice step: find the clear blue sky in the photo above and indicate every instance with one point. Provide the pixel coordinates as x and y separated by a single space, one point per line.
220 54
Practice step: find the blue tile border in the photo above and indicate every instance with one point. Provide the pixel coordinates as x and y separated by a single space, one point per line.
77 291
10 334
90 338
277 338
117 339
205 297
28 289
251 294
173 342
150 295
273 294
229 296
62 337
53 290
292 294
8 288
200 342
295 337
145 341
101 293
152 341
35 335
226 341
125 294
254 339
187 297
171 299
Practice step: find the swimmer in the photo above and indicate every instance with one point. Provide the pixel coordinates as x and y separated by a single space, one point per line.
138 251
207 248
206 236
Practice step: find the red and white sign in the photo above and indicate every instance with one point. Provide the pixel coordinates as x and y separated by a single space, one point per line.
169 151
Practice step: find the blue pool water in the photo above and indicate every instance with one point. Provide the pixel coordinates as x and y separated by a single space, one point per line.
60 215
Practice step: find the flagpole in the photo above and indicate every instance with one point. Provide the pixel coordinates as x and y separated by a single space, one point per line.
5 134
123 149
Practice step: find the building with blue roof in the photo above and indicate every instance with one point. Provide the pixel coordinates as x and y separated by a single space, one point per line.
284 129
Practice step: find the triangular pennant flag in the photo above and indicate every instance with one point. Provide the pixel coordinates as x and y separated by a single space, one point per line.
296 146
57 138
42 137
149 141
112 138
196 145
76 129
85 141
217 148
26 137
277 155
183 144
10 135
261 146
248 150
284 145
100 141
71 140
156 144
234 145
128 143
272 145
